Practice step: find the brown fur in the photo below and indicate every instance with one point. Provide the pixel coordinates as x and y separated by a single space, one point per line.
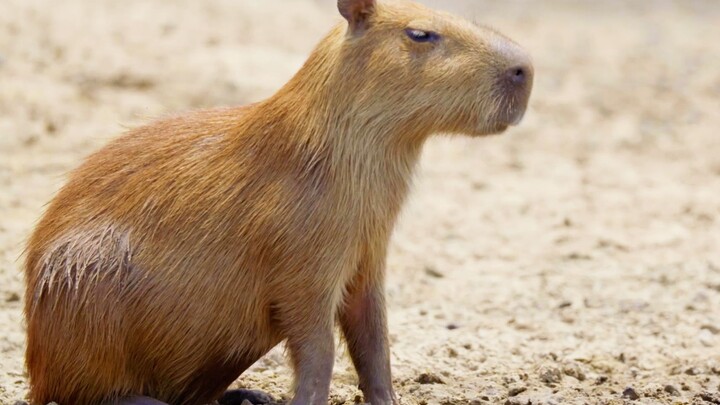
183 251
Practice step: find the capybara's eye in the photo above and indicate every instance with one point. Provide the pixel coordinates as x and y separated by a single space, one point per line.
422 36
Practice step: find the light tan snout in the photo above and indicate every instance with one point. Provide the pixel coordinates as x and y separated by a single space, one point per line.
514 82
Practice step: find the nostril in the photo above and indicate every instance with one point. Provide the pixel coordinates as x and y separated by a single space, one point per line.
518 75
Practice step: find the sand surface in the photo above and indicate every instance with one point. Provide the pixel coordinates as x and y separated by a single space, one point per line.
571 259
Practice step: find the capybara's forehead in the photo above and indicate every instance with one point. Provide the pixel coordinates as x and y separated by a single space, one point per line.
405 12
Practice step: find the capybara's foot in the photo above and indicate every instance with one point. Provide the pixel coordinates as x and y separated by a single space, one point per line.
236 397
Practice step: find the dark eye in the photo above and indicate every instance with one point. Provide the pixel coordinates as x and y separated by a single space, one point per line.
421 35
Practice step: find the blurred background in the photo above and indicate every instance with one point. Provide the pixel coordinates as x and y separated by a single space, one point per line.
575 259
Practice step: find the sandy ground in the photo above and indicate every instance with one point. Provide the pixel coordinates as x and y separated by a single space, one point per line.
571 259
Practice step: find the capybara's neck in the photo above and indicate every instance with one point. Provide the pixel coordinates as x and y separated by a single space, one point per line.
331 104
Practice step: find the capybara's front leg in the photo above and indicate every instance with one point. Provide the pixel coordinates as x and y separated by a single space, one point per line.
313 359
308 324
364 323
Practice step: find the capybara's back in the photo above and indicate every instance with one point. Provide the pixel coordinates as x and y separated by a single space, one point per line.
130 285
179 254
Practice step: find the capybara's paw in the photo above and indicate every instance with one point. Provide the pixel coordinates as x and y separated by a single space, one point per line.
236 397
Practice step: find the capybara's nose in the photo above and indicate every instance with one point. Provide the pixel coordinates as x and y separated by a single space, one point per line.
517 72
517 82
520 75
519 79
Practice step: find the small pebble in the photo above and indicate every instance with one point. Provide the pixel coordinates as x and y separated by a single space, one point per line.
516 390
573 370
692 371
671 390
432 272
713 398
550 375
50 127
630 394
429 378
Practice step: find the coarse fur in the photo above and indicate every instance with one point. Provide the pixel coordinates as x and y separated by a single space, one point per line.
183 251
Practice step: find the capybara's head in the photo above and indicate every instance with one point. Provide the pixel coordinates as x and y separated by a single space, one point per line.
434 68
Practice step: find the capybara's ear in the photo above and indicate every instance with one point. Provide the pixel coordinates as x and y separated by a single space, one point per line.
357 13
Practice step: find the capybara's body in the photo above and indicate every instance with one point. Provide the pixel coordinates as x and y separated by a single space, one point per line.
183 251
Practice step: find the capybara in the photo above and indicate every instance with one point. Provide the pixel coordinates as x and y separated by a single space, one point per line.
183 251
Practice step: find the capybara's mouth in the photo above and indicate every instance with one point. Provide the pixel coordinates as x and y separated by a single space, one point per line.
518 118
497 128
514 112
501 129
